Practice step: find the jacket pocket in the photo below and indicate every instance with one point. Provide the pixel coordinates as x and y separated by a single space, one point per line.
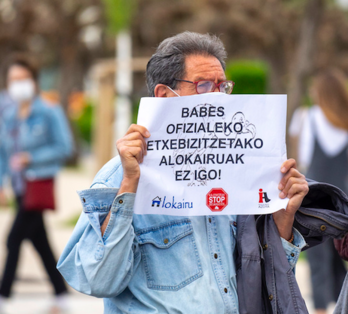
170 256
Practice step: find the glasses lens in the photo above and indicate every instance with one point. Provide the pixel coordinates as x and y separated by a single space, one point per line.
205 87
226 87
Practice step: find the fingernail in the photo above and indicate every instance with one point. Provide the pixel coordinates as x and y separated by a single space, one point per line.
147 133
282 195
280 186
283 169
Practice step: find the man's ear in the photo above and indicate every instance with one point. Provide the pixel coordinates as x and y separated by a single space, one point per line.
161 90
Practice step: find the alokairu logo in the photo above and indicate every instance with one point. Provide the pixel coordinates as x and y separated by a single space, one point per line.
263 199
167 203
156 201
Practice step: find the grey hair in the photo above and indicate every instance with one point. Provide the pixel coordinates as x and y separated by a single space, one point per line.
169 60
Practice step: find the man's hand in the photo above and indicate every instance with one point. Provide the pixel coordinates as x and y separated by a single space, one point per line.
3 199
294 186
132 149
20 161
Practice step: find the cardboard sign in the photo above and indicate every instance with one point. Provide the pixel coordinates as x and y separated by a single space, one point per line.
212 154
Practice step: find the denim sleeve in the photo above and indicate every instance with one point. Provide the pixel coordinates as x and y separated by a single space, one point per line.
61 144
3 164
96 264
293 250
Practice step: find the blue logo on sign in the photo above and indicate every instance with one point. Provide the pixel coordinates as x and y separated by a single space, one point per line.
156 201
171 204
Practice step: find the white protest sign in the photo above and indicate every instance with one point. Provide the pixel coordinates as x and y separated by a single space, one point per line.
212 154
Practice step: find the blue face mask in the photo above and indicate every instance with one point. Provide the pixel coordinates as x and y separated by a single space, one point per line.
173 91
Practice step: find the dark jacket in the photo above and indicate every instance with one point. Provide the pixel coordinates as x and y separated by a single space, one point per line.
265 281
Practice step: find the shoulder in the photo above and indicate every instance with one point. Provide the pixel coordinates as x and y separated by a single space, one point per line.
110 175
298 120
51 111
45 106
316 112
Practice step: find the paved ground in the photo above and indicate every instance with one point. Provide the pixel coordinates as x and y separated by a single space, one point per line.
32 292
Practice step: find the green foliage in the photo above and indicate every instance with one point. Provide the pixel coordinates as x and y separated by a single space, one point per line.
303 256
307 101
250 76
119 13
135 109
11 205
84 123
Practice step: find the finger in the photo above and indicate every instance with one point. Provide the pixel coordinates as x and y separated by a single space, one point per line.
294 203
136 136
291 173
138 128
290 163
128 153
298 188
131 137
292 181
136 152
136 143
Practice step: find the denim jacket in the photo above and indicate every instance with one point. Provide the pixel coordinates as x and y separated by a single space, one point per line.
45 135
210 264
5 102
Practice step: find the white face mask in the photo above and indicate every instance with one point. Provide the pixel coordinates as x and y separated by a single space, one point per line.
21 91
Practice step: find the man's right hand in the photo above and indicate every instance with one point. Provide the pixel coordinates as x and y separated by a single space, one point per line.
132 149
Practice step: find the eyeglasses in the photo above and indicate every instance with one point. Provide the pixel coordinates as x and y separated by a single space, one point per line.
204 86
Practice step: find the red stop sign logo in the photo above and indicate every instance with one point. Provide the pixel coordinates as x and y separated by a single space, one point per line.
217 199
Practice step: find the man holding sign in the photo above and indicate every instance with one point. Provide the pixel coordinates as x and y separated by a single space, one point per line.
169 240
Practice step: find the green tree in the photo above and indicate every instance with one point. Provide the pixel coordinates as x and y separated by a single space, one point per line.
119 14
251 77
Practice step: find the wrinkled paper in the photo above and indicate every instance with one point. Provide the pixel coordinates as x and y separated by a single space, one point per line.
212 154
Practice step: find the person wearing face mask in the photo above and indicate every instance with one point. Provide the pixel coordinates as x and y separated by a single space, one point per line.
321 134
35 142
5 103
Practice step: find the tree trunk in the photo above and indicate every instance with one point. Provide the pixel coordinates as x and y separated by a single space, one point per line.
71 74
278 73
304 59
71 80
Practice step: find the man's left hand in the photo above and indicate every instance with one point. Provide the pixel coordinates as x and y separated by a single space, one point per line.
294 186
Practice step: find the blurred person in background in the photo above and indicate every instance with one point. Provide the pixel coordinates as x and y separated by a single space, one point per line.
5 103
322 137
35 142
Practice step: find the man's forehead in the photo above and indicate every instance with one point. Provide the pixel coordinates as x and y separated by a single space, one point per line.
199 67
